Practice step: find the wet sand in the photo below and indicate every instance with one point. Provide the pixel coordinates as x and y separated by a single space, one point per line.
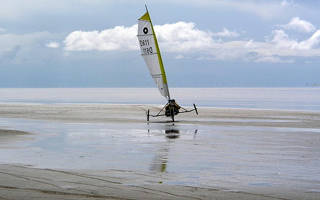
7 136
20 182
8 133
299 130
136 114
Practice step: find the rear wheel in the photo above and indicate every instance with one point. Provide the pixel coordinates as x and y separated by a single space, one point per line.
195 108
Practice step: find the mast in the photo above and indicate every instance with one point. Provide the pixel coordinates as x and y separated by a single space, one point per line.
164 77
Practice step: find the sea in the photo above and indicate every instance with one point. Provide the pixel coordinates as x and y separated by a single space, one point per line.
255 98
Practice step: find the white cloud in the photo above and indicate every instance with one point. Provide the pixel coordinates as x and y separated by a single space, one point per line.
280 49
177 37
53 45
184 40
250 44
281 40
2 30
226 33
310 43
273 59
300 25
117 38
183 37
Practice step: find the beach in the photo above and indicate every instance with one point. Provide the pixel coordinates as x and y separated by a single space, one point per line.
109 151
160 100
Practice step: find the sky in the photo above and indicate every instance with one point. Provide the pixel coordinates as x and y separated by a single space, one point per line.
204 43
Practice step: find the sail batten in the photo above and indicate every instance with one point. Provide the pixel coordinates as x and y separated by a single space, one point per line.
150 51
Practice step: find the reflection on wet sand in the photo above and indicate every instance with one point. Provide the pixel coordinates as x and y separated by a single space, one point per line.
160 161
12 136
171 132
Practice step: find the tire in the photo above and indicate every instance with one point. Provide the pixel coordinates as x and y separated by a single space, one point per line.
195 108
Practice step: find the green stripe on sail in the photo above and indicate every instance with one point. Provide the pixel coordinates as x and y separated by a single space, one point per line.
145 17
164 77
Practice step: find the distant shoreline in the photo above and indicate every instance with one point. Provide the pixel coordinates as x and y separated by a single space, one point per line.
305 99
248 87
157 105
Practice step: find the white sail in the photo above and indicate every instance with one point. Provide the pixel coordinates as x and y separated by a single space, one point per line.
151 53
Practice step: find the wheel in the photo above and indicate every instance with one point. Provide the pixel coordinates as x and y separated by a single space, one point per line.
148 114
195 108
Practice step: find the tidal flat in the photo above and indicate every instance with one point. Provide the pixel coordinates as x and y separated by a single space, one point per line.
103 151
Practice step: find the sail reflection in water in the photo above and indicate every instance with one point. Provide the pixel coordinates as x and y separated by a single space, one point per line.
172 133
160 161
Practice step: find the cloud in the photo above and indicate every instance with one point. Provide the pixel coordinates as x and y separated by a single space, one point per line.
21 48
281 40
273 59
185 40
177 37
183 37
300 25
280 49
117 38
53 45
226 33
310 43
2 30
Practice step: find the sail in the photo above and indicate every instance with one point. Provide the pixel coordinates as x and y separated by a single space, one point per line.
151 53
